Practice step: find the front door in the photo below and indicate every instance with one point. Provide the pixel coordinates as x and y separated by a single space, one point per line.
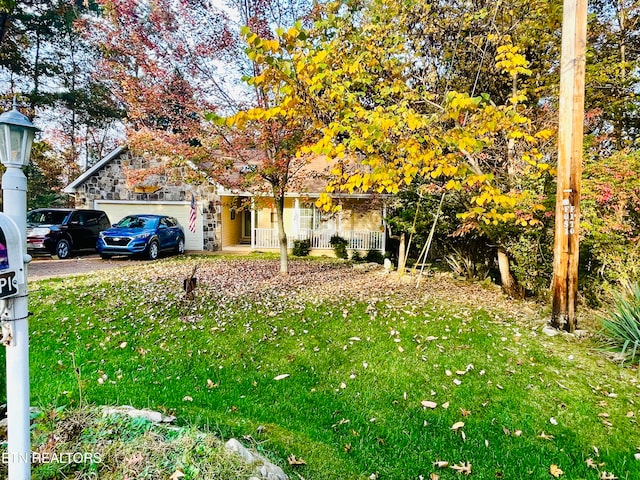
246 226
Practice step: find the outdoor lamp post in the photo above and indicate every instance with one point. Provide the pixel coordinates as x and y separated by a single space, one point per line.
16 138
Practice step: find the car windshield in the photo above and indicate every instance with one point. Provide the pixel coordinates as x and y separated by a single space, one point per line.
46 217
137 222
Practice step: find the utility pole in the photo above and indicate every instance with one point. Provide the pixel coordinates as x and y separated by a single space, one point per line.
570 130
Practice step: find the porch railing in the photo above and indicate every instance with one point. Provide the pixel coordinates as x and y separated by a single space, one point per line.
358 239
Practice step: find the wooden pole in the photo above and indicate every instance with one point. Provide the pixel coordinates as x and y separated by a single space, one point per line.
570 130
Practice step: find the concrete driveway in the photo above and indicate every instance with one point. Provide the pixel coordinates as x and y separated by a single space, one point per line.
49 267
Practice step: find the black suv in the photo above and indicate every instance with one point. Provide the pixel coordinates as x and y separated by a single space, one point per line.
60 231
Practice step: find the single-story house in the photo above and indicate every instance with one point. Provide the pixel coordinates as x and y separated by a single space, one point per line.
122 183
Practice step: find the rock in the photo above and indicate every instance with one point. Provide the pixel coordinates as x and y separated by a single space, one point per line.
150 415
240 450
388 266
265 470
550 331
367 267
269 471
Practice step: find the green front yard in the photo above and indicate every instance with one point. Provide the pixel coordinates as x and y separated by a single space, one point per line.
358 375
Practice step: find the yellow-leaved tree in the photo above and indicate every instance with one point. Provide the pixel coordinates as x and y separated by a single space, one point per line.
344 89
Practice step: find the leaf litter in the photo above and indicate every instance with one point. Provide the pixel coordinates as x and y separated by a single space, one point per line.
229 286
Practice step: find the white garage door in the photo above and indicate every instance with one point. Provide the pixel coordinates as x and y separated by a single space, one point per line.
180 210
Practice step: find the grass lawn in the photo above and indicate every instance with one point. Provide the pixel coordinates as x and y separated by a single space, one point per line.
359 375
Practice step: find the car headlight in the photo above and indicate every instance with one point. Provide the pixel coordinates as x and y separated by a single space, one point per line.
40 232
141 236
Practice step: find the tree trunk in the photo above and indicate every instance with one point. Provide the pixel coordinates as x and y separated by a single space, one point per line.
508 283
402 256
282 235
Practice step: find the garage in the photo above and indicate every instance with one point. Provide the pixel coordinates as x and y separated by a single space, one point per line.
117 209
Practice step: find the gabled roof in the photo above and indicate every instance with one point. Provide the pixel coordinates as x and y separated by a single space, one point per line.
311 175
71 188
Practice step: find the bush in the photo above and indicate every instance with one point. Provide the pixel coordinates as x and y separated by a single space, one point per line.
463 265
339 246
374 256
622 328
356 257
301 248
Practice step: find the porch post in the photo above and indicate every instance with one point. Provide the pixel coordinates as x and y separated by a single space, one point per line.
384 227
253 223
296 217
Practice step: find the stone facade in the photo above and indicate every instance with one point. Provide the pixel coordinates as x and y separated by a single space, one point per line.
112 180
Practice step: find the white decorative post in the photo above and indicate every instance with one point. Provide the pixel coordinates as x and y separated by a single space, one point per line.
16 137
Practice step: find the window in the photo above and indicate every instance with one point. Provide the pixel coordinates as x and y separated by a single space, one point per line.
313 219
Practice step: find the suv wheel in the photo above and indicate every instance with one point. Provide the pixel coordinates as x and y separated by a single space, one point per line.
180 246
153 250
63 249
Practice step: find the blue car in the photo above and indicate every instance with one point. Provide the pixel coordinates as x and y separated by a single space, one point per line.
142 235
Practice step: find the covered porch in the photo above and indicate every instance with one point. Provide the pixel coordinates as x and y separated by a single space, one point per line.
362 240
247 222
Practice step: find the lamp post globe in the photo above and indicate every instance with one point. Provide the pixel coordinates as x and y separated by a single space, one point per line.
16 138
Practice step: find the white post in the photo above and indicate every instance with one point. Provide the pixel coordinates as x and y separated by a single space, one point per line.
253 224
14 196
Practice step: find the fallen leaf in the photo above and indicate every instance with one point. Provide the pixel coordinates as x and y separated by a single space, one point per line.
462 468
187 398
555 471
441 464
545 436
281 377
428 404
177 475
465 412
607 476
434 476
445 405
295 461
553 421
457 426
